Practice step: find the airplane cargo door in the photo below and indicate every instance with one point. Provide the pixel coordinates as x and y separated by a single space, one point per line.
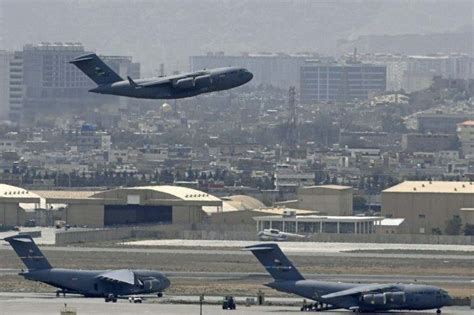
136 214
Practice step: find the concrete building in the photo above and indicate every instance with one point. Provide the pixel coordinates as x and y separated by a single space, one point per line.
16 205
466 138
418 142
440 122
421 69
288 178
427 206
278 70
11 85
323 82
316 224
332 200
51 83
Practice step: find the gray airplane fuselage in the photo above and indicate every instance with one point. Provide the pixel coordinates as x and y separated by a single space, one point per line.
417 297
179 86
88 283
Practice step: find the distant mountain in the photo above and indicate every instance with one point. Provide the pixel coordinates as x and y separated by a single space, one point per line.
170 30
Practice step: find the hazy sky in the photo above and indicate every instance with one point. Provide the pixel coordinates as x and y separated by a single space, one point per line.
170 30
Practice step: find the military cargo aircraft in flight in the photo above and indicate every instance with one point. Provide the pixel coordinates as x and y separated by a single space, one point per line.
336 295
167 87
109 284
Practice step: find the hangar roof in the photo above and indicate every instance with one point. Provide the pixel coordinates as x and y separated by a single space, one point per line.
243 202
65 194
17 193
432 187
179 192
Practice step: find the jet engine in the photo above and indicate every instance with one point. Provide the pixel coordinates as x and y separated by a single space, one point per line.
185 83
374 299
203 81
152 284
395 297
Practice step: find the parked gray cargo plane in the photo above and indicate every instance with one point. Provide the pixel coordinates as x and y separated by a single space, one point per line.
355 297
168 87
109 284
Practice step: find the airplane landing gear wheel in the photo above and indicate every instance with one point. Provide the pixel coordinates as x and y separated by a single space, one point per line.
438 311
111 298
160 294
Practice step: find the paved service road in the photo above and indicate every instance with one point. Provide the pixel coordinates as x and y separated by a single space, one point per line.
41 304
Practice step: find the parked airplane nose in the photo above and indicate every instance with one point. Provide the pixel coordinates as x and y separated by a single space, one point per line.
448 300
166 282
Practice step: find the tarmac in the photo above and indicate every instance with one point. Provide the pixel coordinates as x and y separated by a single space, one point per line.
265 277
42 304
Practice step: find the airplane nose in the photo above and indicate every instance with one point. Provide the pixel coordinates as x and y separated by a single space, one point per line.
166 283
249 76
449 300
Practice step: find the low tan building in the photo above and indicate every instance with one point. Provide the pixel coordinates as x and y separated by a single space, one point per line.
333 200
16 205
427 206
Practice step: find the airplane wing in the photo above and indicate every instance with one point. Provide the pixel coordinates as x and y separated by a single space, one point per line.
358 290
157 82
172 78
121 275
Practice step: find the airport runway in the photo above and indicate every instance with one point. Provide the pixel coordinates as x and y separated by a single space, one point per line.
322 247
44 304
238 251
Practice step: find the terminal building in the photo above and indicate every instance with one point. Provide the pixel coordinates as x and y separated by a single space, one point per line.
316 224
428 206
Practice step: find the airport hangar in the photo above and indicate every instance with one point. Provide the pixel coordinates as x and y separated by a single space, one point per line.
120 206
428 205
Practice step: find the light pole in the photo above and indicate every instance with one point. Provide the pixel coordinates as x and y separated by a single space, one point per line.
201 299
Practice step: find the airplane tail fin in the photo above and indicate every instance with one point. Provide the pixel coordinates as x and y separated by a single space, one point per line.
275 262
28 252
96 69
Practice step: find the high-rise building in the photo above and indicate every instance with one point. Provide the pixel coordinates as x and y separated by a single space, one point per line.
4 84
52 83
331 82
466 137
11 85
421 70
277 70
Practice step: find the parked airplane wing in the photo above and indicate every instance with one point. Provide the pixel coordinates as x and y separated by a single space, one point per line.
121 275
359 289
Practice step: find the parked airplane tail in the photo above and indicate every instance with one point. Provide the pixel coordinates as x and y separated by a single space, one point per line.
28 252
275 262
96 69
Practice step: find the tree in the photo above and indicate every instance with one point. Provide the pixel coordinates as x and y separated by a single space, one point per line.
453 226
469 229
359 203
